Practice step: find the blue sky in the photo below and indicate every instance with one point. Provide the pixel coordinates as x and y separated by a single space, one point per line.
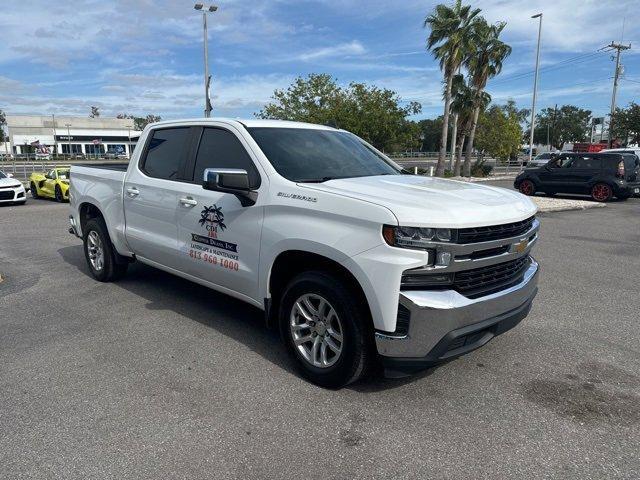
144 56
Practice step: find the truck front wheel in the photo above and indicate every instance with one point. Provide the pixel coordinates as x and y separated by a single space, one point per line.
325 329
102 259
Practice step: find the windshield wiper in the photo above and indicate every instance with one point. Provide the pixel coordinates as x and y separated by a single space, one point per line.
315 180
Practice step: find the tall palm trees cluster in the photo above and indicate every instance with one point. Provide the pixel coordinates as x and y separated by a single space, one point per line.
470 53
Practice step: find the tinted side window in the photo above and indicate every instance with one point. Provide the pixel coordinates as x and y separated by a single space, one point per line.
165 152
221 149
587 162
611 161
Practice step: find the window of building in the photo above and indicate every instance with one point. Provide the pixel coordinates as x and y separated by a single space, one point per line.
71 149
164 153
221 149
93 149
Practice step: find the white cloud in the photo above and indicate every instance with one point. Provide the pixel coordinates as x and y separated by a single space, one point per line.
339 50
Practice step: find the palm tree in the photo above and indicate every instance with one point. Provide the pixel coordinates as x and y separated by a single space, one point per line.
462 106
485 63
451 28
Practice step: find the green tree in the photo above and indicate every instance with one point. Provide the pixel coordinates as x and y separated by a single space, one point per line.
626 127
95 112
3 122
430 132
449 38
462 105
499 132
377 115
485 63
140 122
566 124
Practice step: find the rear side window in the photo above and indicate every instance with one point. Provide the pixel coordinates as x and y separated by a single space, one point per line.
165 152
220 148
611 160
587 162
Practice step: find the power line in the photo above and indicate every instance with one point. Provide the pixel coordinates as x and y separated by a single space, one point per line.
556 66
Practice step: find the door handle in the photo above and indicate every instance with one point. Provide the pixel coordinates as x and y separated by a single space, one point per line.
133 192
188 202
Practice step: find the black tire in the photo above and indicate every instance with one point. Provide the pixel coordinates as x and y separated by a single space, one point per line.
114 265
34 191
357 354
59 197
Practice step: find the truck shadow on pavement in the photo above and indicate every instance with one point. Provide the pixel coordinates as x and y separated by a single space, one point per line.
227 315
166 292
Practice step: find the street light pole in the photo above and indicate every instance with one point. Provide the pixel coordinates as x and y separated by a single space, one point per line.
535 87
207 78
68 138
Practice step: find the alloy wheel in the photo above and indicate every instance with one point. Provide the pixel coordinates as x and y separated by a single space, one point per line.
316 330
95 250
601 192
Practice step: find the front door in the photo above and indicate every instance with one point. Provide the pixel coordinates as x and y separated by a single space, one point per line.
218 238
150 198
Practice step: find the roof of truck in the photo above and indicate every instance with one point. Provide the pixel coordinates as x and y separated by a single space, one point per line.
249 123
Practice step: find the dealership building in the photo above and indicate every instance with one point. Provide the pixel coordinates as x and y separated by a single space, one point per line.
70 135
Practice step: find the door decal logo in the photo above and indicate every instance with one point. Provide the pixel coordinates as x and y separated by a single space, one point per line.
212 216
209 248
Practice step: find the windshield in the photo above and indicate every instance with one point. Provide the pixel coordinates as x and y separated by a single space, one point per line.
314 155
63 174
2 175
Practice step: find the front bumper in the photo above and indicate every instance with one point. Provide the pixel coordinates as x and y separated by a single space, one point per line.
13 194
627 188
445 324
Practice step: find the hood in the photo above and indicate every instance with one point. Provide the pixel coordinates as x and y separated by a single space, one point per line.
9 182
435 202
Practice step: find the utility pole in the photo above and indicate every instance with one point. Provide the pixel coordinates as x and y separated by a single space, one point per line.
619 48
535 88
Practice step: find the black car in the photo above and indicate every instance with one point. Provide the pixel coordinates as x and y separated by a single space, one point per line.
601 175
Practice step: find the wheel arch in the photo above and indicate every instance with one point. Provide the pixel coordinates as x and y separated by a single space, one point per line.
289 263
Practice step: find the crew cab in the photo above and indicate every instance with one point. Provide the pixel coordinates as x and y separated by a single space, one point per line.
357 263
600 175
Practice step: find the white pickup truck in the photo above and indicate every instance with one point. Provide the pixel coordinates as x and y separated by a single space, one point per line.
355 261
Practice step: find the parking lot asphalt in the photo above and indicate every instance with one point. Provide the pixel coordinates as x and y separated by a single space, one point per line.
156 377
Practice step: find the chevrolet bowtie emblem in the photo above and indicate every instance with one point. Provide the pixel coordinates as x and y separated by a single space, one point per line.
520 247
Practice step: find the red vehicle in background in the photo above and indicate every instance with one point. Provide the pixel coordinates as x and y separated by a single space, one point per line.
585 147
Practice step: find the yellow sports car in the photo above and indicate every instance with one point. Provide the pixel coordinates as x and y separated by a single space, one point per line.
53 184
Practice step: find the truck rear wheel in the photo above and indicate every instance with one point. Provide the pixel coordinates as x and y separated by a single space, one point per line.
104 262
325 330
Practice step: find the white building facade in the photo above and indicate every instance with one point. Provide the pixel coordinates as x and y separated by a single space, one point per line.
71 135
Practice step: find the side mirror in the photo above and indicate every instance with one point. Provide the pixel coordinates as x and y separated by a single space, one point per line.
230 180
9 175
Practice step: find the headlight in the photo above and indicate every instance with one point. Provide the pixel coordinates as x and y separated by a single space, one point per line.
416 237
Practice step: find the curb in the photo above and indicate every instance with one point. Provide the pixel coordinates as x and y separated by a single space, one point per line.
483 179
582 205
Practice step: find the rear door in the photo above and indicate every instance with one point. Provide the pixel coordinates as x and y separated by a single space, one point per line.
150 196
583 171
218 238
